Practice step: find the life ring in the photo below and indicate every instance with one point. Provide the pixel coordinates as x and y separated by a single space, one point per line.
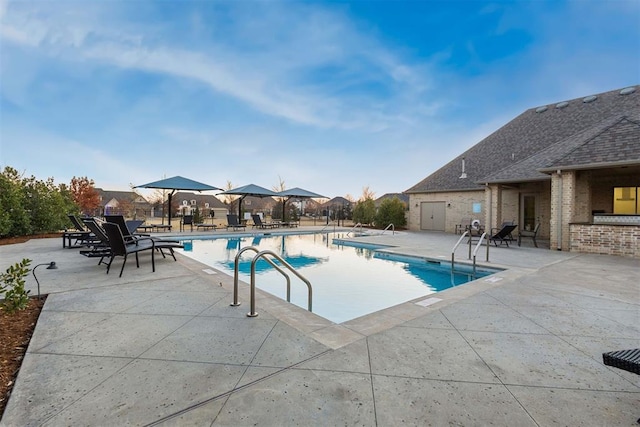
475 224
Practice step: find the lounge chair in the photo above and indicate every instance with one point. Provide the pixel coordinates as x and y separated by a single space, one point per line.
186 220
101 247
627 360
206 226
80 236
527 233
122 223
232 222
257 222
120 247
502 236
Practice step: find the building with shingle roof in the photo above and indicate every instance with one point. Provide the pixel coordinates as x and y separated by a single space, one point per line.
588 147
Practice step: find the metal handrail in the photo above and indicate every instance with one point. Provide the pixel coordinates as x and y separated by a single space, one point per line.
393 229
333 221
263 254
453 251
475 251
235 302
358 225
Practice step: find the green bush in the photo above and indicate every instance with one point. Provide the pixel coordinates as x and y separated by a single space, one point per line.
12 287
365 212
391 211
31 206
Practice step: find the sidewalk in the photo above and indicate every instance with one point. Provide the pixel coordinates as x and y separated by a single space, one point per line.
523 347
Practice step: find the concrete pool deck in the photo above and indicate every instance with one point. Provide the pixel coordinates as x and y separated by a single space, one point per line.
522 347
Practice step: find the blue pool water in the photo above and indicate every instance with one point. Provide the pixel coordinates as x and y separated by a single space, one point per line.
349 280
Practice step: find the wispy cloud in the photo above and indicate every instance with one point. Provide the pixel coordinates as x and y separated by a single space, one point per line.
287 43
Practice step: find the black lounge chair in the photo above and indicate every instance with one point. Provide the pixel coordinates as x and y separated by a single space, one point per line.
101 247
186 220
206 226
80 236
503 236
527 233
627 360
257 222
120 247
232 222
129 235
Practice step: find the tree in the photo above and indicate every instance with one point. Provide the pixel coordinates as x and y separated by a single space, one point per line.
365 212
14 218
367 194
391 211
85 194
278 209
230 199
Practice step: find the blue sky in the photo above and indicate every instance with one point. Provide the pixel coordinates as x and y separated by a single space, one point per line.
330 96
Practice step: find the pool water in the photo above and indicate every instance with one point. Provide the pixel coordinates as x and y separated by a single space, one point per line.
349 280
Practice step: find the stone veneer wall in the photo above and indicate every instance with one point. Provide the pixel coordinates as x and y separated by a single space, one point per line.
623 240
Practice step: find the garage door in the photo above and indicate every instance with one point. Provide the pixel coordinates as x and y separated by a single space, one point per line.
432 216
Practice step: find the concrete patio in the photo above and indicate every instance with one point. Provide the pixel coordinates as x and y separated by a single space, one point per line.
520 348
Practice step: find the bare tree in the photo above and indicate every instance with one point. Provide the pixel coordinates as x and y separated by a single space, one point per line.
367 194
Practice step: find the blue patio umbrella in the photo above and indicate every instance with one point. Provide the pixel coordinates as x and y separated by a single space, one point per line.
178 183
297 193
249 190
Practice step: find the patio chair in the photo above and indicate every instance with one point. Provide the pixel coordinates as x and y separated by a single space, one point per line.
186 220
128 234
627 360
504 224
257 222
120 247
80 236
101 247
527 233
502 236
233 222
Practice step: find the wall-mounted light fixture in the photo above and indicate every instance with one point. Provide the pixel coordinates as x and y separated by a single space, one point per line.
52 266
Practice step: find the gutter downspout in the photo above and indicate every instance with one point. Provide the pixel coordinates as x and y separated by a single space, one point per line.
559 223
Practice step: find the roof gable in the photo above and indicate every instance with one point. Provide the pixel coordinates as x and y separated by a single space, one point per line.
528 134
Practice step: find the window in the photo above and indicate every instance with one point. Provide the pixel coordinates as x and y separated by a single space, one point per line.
185 203
206 205
625 200
193 203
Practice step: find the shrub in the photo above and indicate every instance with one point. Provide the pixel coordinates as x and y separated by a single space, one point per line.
365 212
391 211
12 287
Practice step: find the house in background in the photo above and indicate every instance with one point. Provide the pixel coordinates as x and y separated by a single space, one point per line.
404 198
127 203
572 166
208 205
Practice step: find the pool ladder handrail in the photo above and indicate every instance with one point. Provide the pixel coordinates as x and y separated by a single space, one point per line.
263 254
453 251
475 251
393 229
358 225
333 221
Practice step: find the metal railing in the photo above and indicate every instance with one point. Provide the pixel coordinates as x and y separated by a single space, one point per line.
390 226
263 254
358 225
475 251
453 251
236 267
333 221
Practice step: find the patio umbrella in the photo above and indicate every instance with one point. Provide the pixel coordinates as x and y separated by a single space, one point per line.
249 190
177 183
297 193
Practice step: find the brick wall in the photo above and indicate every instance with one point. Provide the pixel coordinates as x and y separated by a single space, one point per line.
461 206
623 240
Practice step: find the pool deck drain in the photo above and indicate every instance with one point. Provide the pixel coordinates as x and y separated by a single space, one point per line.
165 348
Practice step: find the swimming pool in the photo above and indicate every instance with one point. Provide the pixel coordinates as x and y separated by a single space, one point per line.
349 279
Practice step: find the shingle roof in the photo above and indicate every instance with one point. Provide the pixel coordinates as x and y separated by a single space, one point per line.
602 137
530 133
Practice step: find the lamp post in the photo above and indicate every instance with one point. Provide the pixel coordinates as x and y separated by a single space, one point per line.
51 266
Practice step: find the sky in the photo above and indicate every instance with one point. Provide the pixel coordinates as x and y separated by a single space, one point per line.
330 96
